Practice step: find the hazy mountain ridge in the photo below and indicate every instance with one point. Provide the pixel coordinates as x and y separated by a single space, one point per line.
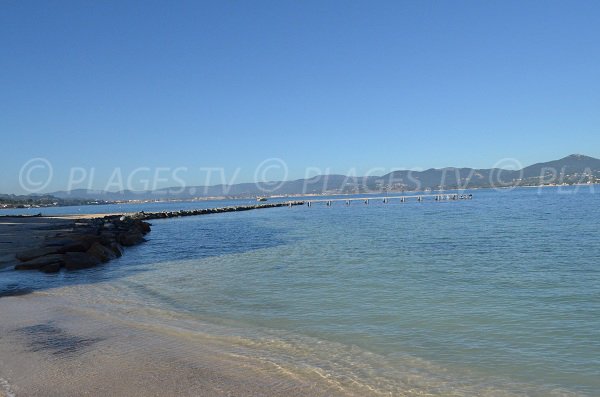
571 169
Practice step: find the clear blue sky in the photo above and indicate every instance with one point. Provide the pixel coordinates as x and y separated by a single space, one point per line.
329 84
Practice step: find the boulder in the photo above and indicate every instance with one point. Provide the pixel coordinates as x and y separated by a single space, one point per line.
80 260
131 237
101 252
89 239
36 253
76 246
106 238
144 227
116 248
73 244
40 262
59 242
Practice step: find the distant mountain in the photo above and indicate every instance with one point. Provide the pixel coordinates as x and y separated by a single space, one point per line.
570 165
572 169
314 185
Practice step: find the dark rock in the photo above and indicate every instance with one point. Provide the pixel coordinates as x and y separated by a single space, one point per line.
90 238
51 268
107 238
74 243
36 253
52 242
80 260
101 252
116 248
144 227
131 237
76 246
40 262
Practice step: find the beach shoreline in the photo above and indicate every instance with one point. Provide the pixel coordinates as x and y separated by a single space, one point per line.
49 335
76 340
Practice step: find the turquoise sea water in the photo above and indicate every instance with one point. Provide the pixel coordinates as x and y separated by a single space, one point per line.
498 294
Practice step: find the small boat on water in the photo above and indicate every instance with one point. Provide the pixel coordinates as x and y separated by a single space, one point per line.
261 199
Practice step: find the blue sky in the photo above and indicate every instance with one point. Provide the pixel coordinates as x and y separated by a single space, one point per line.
332 85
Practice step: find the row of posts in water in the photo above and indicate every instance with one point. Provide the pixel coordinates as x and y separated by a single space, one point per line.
402 199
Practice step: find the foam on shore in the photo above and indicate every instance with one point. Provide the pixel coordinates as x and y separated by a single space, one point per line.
5 390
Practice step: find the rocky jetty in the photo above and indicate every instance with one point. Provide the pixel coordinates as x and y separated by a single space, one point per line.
91 242
206 211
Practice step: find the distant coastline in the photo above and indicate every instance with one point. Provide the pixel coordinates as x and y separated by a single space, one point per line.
573 170
77 203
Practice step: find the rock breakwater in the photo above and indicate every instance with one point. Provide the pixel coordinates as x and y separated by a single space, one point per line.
91 242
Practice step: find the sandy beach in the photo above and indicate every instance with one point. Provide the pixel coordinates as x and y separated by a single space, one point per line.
54 347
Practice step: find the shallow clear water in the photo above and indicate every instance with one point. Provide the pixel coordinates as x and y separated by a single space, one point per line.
500 293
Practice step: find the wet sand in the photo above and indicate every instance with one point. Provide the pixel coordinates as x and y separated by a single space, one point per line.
52 347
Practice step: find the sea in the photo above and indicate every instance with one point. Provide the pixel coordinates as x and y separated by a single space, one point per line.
498 295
